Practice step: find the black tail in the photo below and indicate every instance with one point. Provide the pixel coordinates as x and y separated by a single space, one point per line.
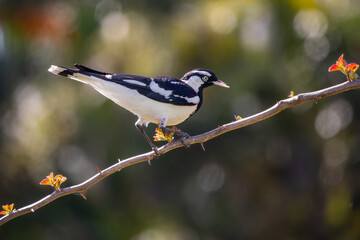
86 69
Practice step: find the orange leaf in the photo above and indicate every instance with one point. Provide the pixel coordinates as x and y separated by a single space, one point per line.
352 67
51 176
341 61
7 209
334 67
168 136
60 178
45 181
55 182
159 136
11 206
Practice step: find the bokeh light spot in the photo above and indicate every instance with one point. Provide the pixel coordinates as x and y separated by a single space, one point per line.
310 23
317 48
114 27
256 28
211 177
222 20
333 118
335 152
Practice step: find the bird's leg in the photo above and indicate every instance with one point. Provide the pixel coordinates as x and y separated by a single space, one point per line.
177 132
182 134
142 131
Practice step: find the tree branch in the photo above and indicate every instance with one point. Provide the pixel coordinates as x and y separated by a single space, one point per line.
278 107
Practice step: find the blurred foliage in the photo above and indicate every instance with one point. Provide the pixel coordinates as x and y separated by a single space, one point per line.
294 176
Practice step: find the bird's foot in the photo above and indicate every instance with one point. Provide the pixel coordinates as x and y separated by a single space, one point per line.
180 133
182 140
183 135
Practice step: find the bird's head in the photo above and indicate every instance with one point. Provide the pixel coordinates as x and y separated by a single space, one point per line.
200 78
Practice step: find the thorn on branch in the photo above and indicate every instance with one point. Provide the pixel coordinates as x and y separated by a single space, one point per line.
99 171
202 145
83 195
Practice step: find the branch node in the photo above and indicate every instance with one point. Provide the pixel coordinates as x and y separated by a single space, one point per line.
280 102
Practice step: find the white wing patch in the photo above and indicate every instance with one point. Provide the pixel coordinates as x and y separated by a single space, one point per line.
156 88
194 100
131 81
108 76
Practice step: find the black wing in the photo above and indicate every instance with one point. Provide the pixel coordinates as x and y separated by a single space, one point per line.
162 89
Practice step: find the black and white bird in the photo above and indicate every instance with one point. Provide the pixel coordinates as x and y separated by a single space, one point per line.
161 100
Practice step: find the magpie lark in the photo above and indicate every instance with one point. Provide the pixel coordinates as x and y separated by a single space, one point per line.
161 100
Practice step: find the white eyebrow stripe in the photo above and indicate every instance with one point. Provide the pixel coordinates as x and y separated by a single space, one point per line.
202 73
131 81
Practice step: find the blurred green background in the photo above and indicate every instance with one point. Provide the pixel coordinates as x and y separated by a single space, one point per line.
294 176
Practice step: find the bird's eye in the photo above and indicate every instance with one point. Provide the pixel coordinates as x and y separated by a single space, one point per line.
205 78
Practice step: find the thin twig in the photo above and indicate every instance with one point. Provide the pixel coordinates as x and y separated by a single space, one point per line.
278 107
